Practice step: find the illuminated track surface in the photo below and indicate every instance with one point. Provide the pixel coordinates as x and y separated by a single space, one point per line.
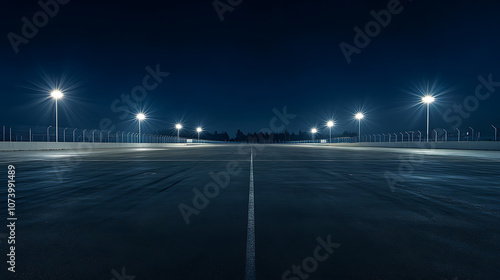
84 215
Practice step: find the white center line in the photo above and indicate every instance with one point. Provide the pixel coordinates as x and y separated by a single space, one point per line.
250 266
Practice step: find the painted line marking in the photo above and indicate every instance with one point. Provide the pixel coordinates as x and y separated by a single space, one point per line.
250 264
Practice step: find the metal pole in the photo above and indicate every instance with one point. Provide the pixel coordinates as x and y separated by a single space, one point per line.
419 136
445 135
359 130
139 131
458 134
495 132
178 138
83 139
74 134
48 136
57 128
122 136
3 133
10 134
30 134
330 135
65 134
435 135
428 105
472 133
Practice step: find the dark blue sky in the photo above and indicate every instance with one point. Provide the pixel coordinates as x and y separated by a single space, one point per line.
265 54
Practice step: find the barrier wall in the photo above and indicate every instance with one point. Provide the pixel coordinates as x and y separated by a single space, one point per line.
40 146
493 146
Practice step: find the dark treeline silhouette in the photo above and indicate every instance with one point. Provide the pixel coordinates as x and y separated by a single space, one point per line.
259 137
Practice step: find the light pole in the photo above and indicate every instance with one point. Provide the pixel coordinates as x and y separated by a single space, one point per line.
495 132
178 127
199 130
140 117
428 100
458 134
48 136
74 134
313 131
472 133
359 117
65 134
56 95
330 124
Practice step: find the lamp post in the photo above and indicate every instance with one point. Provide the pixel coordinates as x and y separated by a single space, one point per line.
56 95
178 127
330 124
140 117
74 134
428 100
48 136
199 130
495 132
313 131
359 117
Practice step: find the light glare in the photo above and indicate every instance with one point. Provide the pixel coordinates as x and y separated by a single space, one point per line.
56 94
314 130
359 116
199 129
178 126
428 99
141 116
330 124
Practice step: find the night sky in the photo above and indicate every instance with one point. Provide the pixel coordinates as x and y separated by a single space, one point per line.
228 75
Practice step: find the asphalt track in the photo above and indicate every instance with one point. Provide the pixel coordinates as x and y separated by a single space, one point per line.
110 214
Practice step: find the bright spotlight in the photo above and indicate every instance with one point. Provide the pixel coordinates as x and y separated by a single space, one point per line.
330 124
178 126
359 116
56 94
428 99
141 116
314 130
199 129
